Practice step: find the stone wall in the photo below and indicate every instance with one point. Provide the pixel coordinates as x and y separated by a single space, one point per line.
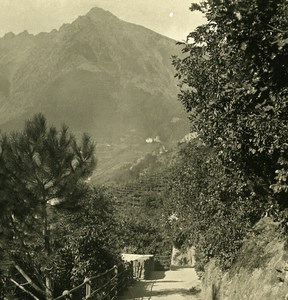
143 265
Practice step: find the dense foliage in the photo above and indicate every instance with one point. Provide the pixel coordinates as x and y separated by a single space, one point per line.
54 228
234 85
209 207
141 233
139 209
87 240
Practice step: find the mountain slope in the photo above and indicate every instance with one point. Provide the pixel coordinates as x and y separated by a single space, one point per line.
99 74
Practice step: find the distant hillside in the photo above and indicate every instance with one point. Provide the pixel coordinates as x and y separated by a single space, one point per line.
100 75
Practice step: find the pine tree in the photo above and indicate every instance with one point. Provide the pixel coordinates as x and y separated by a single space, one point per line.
39 167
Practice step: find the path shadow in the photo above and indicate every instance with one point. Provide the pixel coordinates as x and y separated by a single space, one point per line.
144 288
163 293
147 294
155 275
156 286
164 281
175 268
138 290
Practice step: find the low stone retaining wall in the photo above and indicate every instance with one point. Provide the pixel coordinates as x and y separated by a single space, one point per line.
143 265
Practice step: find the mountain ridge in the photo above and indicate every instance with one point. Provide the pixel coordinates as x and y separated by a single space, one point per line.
99 74
93 12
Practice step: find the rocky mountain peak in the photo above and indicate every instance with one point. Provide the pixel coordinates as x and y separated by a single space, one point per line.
100 75
100 13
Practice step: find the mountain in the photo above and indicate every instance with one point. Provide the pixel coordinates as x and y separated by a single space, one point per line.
99 75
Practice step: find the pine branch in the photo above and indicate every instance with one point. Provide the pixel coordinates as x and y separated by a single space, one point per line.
23 289
37 274
29 280
277 29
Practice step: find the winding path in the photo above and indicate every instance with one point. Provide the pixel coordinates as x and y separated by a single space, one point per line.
170 285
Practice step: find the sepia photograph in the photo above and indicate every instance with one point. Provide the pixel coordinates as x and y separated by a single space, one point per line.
143 150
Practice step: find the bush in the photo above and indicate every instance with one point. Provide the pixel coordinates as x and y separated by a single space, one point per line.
88 243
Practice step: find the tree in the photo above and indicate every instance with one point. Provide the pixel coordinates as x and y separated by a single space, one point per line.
234 80
39 168
208 207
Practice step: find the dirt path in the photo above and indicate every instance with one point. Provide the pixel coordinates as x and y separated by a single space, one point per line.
170 285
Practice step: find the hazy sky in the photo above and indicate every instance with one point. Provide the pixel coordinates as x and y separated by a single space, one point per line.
169 17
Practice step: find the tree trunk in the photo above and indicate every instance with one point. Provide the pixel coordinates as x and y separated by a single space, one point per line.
46 234
48 291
